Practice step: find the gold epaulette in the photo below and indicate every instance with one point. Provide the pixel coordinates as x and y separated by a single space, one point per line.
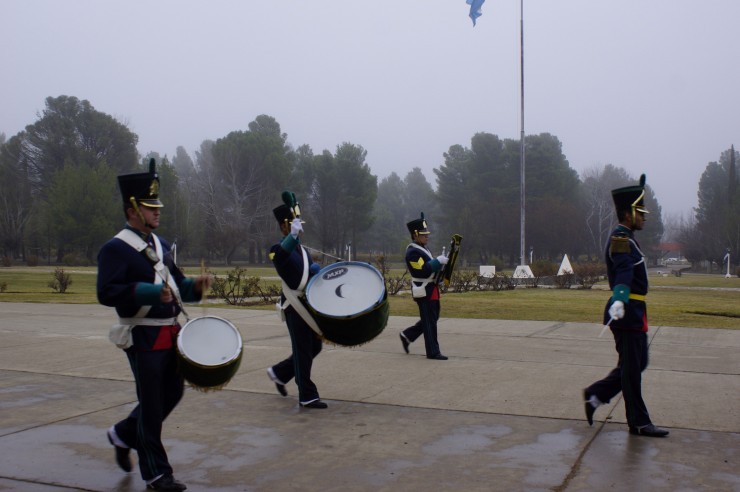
619 244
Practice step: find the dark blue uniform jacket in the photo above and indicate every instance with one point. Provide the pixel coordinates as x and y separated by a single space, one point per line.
628 279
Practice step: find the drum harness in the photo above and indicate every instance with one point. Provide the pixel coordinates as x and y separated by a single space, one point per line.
419 291
120 334
291 298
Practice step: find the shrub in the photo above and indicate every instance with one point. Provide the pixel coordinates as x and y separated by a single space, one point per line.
587 274
60 280
239 289
463 281
543 268
3 286
496 283
32 260
564 281
7 261
393 285
541 271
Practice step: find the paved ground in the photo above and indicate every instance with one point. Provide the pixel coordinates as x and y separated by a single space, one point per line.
504 413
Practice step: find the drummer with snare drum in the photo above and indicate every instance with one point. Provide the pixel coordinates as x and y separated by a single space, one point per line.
138 276
295 266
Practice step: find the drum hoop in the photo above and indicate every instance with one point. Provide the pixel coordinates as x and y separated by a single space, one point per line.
382 301
237 354
343 263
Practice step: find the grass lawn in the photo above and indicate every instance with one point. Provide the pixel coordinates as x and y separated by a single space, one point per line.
665 307
692 300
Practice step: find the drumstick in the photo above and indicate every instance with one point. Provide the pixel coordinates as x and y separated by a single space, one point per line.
175 295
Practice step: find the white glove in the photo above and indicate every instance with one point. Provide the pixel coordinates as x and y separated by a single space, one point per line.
296 228
442 259
616 310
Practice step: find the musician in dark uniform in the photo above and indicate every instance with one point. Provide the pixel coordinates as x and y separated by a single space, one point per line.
295 267
626 315
423 268
137 276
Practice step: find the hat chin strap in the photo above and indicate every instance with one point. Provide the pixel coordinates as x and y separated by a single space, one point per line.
141 216
634 207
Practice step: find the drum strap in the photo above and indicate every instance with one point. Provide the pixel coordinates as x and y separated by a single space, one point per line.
120 334
304 277
418 291
291 298
163 273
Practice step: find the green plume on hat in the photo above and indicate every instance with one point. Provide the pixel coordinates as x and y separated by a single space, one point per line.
289 198
291 202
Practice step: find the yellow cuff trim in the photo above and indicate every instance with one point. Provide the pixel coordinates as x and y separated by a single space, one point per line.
637 297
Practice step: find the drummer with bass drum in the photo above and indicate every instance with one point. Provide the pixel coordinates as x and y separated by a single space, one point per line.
138 276
424 269
295 267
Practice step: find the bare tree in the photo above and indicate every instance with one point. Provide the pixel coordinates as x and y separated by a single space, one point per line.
600 218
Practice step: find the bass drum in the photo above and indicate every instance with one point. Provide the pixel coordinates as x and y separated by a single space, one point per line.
349 302
210 352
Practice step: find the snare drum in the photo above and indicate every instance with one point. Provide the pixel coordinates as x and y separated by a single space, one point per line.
349 302
210 351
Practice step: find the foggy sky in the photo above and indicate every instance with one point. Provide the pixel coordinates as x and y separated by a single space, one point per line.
648 85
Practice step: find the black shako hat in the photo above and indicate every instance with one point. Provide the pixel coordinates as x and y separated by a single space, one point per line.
142 188
630 198
418 226
283 213
289 210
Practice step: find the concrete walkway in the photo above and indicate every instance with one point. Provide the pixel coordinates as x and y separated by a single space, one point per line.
504 413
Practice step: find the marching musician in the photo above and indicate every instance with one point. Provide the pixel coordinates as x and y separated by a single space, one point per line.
295 266
626 314
423 268
137 276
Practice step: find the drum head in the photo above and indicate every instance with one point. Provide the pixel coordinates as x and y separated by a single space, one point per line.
209 341
345 289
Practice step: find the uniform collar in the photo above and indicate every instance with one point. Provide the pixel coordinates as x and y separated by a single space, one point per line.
624 228
146 237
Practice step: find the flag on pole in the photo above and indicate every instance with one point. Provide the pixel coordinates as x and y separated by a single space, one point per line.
475 9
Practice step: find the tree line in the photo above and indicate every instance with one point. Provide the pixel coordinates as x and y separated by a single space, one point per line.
59 198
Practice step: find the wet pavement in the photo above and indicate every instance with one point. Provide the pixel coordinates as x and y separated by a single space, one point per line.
503 413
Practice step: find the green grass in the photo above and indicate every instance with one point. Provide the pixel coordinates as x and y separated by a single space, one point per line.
30 284
665 307
695 280
692 300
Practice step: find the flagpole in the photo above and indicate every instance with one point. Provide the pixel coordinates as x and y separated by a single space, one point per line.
521 138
